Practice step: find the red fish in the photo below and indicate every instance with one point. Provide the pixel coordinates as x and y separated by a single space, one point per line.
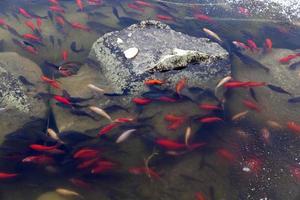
79 26
143 3
39 23
252 45
60 20
295 172
203 18
40 160
57 9
240 45
199 196
210 119
80 183
164 18
79 4
62 100
144 170
31 49
180 85
4 176
95 2
294 127
65 55
254 84
24 13
154 82
268 44
288 58
135 7
170 144
175 125
251 105
234 84
166 99
31 37
173 118
141 101
86 153
30 25
52 82
103 166
3 22
55 2
87 163
227 155
253 164
124 120
205 106
38 147
107 128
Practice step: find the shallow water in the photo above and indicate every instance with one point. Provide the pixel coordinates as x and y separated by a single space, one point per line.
250 158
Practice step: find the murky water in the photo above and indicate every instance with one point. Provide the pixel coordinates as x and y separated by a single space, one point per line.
190 146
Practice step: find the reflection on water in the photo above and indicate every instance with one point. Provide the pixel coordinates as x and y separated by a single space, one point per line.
168 143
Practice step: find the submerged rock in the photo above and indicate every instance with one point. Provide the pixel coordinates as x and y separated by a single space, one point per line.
19 83
162 54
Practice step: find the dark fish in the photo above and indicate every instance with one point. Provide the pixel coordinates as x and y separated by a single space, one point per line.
50 15
98 14
1 45
17 42
25 81
16 16
253 94
43 95
89 8
82 113
278 89
115 12
124 93
155 94
74 49
49 64
195 90
99 27
13 31
36 16
250 61
294 65
294 100
51 38
74 137
115 108
92 63
59 42
75 99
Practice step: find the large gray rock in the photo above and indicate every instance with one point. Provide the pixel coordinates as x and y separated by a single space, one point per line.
163 53
17 96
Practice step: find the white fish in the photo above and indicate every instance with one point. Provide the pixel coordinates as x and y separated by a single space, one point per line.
95 88
67 193
131 52
239 115
188 134
222 82
101 112
54 135
125 135
212 34
274 124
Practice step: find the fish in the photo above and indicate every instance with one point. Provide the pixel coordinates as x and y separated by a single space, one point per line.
51 38
141 101
79 4
25 81
274 124
206 106
164 17
294 100
38 147
278 89
13 31
170 144
103 166
84 113
52 82
268 45
135 7
212 34
250 61
294 127
180 85
74 49
107 128
62 100
288 58
79 26
187 135
144 170
251 105
240 45
239 115
294 65
154 82
65 55
80 183
52 134
95 88
203 17
222 82
5 176
86 153
144 3
101 112
40 160
67 193
199 196
252 45
227 155
126 134
210 119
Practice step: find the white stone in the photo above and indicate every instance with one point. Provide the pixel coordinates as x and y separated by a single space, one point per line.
131 52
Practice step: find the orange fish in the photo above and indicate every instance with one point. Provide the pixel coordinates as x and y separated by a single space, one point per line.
30 25
154 82
294 127
251 105
206 106
268 44
141 101
227 155
65 55
252 45
79 4
180 85
62 100
200 196
210 119
144 170
288 58
52 82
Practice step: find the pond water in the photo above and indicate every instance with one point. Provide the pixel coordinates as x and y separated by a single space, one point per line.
235 141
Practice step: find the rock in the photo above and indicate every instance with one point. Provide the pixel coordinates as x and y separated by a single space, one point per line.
19 83
171 56
131 52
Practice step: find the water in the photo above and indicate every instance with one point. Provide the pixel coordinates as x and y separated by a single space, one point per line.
256 157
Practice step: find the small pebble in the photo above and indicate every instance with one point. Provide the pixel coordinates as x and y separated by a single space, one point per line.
131 52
